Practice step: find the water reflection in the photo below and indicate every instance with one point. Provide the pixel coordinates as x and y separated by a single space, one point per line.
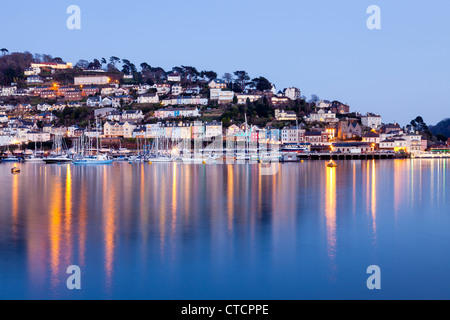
55 229
160 224
330 214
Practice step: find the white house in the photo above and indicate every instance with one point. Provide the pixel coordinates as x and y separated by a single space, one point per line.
177 112
322 116
290 135
177 89
133 115
94 101
217 84
175 77
8 91
242 98
324 104
223 96
285 115
371 120
213 129
150 98
292 93
119 129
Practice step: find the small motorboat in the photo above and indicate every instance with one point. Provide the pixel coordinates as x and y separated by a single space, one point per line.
11 159
15 170
58 160
332 164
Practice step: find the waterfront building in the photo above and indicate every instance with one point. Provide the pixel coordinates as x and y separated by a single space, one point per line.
394 144
118 129
352 147
371 137
290 135
213 129
315 138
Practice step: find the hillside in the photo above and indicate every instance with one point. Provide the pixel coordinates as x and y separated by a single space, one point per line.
442 127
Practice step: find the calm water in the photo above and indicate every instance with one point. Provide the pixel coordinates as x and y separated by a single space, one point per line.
174 231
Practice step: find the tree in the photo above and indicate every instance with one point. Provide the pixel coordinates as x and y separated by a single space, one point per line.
314 99
419 124
145 66
441 137
242 78
227 77
191 73
114 60
95 65
262 84
47 58
4 51
210 75
83 64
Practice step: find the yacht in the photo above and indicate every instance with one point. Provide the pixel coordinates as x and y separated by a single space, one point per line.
11 159
34 159
58 159
94 160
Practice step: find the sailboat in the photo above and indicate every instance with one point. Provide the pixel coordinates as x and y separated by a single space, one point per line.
34 158
98 159
60 157
158 156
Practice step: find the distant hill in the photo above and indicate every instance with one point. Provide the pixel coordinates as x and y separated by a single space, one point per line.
442 127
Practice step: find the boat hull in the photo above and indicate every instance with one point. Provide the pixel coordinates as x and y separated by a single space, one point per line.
56 161
92 163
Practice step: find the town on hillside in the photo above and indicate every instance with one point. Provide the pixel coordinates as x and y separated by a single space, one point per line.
42 97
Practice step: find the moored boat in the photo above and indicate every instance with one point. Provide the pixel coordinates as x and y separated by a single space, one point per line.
95 160
11 159
58 159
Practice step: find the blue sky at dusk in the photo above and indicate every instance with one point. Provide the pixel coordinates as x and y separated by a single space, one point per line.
322 47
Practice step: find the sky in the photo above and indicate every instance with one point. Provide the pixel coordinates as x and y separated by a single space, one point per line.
322 47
